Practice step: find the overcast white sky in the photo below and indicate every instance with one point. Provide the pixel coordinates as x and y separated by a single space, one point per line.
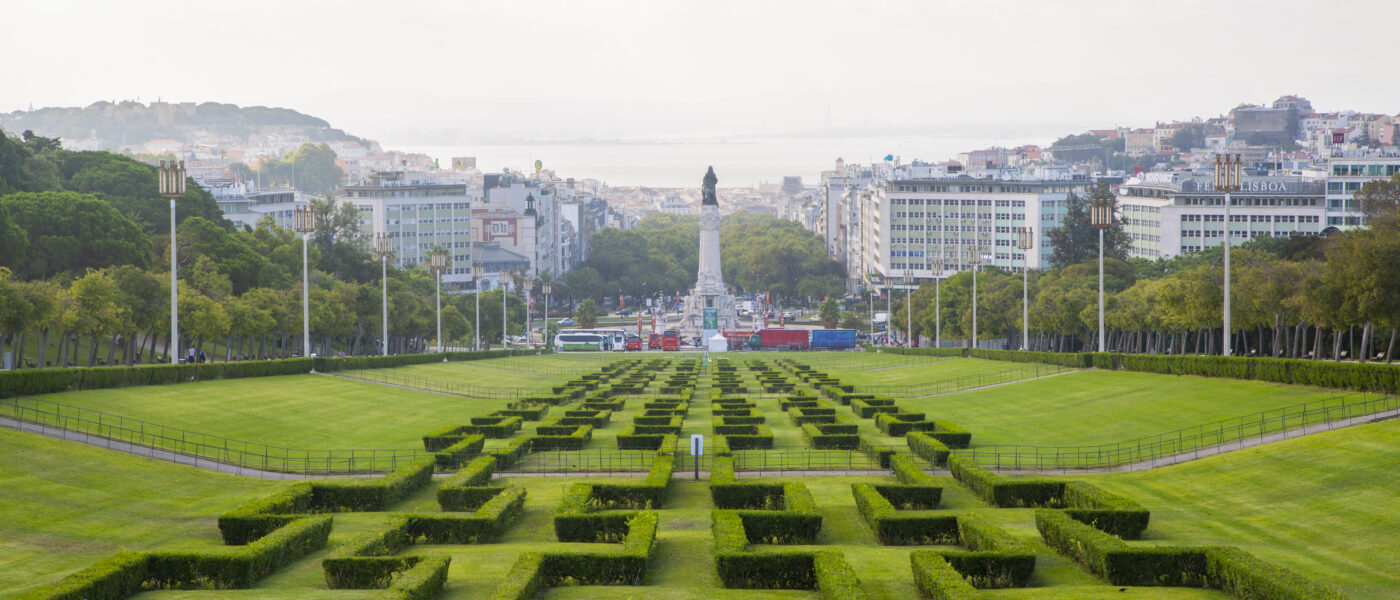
419 72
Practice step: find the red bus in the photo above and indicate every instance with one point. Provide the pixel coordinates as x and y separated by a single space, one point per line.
671 340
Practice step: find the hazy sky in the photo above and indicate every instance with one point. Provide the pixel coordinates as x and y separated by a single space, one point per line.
436 72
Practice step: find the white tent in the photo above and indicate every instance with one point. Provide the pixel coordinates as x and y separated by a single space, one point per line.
718 343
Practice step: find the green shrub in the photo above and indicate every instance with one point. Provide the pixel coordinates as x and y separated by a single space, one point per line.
1105 511
895 528
526 413
262 516
827 437
463 491
566 437
1006 492
240 569
1243 576
596 418
371 494
450 457
512 452
1113 560
906 472
937 579
900 424
534 571
112 578
951 435
924 445
422 581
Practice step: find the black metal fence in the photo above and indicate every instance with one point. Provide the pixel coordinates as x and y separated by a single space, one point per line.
429 384
1021 372
189 447
1190 442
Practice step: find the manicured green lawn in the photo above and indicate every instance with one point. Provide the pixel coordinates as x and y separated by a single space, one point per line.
941 375
64 505
1099 407
294 411
1326 505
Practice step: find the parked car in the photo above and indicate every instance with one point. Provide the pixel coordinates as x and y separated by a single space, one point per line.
566 322
634 342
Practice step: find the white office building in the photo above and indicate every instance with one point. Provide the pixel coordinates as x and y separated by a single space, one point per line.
418 213
1347 171
1169 214
932 227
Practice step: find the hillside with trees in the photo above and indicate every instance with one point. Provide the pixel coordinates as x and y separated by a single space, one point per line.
129 122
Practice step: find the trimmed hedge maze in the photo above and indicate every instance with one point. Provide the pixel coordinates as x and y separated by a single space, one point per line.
767 533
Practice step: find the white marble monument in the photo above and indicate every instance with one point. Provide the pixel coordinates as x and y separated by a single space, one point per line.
710 291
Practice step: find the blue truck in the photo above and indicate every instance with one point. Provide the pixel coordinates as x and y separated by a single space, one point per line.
833 339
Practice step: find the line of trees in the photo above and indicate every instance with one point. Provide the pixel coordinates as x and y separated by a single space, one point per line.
1335 297
84 273
661 255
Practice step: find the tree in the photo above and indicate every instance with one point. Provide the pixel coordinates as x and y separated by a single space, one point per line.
1188 137
851 321
829 313
70 232
97 309
1076 240
310 168
586 315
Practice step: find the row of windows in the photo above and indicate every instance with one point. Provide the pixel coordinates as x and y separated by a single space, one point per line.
1250 218
983 189
936 241
1376 170
964 202
399 234
1220 201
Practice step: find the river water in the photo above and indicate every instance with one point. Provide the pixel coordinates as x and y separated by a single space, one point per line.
739 161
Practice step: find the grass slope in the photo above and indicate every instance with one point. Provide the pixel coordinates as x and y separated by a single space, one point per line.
295 411
1324 505
65 505
1098 407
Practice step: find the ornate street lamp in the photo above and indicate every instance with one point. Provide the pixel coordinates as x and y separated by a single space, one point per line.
1025 242
304 222
546 289
1101 216
439 261
172 185
976 261
875 281
1229 171
383 246
476 285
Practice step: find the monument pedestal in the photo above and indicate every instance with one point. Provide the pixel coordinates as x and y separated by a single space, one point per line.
709 297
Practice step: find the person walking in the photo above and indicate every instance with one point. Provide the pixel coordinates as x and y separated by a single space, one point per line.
191 359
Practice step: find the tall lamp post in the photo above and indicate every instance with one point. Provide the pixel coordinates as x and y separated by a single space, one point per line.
1025 242
975 261
546 289
384 247
439 261
938 310
1101 216
908 314
1229 171
172 186
875 281
476 285
304 222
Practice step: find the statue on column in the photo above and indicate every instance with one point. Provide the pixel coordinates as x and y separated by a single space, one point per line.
707 189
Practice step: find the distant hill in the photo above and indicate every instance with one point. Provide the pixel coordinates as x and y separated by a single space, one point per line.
113 126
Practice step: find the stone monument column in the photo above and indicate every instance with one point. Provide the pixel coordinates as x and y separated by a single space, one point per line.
710 308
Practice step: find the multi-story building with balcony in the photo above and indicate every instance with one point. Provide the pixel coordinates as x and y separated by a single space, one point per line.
418 214
1347 171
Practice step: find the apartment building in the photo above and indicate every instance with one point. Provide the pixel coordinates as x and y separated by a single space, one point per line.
418 213
1169 214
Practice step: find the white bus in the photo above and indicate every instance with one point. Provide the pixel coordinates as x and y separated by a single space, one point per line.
616 339
580 342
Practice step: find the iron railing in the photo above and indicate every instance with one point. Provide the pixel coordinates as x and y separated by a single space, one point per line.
1025 371
180 445
1189 442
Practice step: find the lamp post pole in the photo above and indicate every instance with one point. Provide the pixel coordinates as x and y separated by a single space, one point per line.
172 186
439 261
908 316
381 243
1228 173
304 222
976 260
938 311
504 338
1025 241
545 335
1101 217
476 285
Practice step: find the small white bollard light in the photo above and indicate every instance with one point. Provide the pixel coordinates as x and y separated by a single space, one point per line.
697 449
